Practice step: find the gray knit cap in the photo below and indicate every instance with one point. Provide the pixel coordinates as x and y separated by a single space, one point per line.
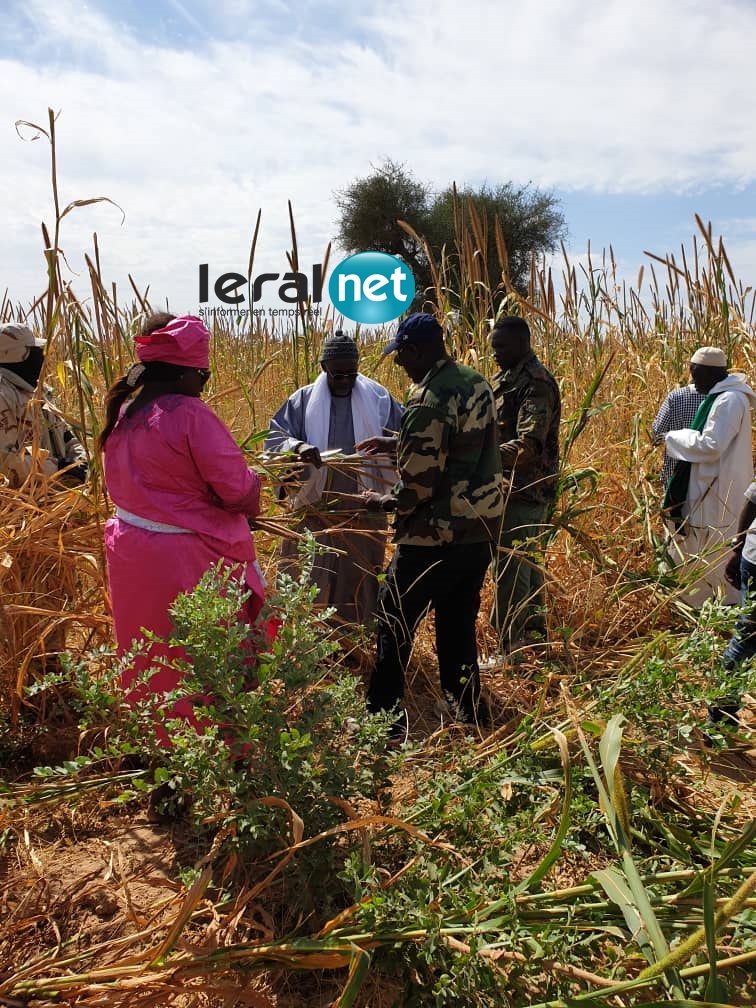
338 344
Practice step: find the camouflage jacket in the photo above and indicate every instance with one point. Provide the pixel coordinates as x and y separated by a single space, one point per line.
528 408
450 485
29 418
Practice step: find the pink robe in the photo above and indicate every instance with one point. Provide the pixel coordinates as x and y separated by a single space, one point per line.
175 463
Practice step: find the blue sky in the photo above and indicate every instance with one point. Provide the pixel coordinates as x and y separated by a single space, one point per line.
192 114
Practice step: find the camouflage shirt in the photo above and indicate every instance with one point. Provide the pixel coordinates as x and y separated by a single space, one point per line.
27 417
450 486
528 407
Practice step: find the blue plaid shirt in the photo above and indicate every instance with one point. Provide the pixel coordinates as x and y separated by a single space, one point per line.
675 413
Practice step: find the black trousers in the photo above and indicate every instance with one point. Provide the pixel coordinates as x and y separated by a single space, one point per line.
448 580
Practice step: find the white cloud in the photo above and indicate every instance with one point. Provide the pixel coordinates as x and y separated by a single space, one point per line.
278 102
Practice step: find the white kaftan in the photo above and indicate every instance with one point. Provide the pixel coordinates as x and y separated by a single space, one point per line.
721 470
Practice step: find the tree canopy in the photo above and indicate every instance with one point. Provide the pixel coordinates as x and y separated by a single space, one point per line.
458 223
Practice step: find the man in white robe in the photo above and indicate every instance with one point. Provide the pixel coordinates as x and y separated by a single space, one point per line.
721 468
340 408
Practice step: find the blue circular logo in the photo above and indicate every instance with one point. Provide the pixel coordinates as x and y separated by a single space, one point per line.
371 287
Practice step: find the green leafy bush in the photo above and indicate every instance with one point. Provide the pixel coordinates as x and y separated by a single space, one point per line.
285 747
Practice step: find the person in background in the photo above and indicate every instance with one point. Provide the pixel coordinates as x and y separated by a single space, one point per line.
36 445
448 504
528 410
29 420
677 412
181 486
340 408
740 572
703 498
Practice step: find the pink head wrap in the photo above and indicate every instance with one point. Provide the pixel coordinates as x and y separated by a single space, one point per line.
184 341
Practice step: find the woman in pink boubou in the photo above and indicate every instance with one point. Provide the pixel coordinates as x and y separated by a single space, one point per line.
182 491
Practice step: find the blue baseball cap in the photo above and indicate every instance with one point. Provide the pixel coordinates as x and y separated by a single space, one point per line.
418 328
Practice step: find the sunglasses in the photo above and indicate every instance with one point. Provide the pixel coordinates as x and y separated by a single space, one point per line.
204 373
341 375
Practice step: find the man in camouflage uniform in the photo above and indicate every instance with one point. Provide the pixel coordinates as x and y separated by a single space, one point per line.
528 407
28 417
448 504
34 440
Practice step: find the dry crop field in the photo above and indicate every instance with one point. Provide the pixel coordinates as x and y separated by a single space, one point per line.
588 848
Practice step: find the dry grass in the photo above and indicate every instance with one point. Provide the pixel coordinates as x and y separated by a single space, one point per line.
633 344
255 372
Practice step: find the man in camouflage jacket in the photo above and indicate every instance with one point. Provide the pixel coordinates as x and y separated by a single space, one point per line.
32 429
528 407
448 505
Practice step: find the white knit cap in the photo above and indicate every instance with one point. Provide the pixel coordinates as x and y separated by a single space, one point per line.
709 356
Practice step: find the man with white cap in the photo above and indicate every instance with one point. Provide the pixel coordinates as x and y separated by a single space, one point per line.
714 468
30 424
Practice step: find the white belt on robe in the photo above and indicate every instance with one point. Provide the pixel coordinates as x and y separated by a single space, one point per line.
151 526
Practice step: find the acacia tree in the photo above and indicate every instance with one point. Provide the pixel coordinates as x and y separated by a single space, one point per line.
369 210
531 221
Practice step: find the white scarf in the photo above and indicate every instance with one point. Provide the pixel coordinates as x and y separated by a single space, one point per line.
371 407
